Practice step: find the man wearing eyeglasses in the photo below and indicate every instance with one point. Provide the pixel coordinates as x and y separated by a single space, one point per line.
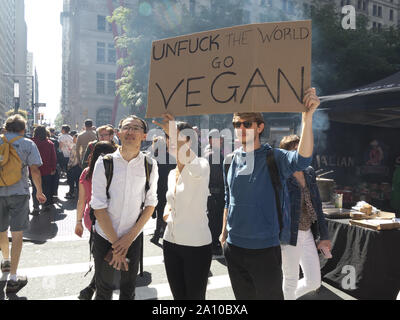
122 216
104 133
251 233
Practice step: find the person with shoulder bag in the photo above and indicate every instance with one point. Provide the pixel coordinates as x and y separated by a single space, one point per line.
308 225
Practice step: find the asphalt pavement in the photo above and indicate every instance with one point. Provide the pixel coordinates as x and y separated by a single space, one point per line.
56 262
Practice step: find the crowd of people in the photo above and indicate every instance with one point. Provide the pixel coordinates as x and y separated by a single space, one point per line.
260 208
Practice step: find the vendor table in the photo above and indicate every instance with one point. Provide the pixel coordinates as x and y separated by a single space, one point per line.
373 257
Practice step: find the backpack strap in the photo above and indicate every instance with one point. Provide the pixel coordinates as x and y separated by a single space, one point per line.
109 169
276 183
148 166
12 140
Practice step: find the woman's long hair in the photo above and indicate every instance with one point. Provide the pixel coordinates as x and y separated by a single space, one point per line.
101 148
40 133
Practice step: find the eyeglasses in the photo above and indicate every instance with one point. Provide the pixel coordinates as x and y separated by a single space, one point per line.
246 124
134 128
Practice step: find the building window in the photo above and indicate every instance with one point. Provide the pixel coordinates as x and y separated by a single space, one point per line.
103 117
111 54
100 83
246 16
192 7
374 25
374 10
111 87
379 26
101 23
365 5
348 2
101 52
379 11
391 15
291 7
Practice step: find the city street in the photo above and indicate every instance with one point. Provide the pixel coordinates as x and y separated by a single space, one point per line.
55 261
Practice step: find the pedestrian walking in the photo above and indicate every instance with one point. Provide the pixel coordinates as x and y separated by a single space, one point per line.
60 158
84 138
308 225
255 222
47 170
216 201
73 171
14 197
103 133
83 206
65 140
160 152
123 210
187 240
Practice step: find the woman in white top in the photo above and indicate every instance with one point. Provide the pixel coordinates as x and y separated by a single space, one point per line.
187 239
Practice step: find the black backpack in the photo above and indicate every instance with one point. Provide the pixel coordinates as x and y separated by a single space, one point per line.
274 174
109 169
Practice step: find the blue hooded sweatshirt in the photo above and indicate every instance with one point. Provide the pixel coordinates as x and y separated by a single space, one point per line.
249 196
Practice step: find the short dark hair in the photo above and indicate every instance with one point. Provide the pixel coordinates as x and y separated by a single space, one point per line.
40 133
289 142
181 125
15 123
88 123
145 126
66 128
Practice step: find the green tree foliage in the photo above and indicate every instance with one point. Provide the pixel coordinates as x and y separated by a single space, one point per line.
345 59
58 122
342 59
21 112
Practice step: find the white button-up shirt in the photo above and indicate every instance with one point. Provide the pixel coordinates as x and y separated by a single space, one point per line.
127 191
187 223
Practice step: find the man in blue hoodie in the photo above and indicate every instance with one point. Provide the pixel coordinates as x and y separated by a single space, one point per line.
251 233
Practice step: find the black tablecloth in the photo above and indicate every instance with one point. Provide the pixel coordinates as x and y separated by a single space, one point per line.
375 256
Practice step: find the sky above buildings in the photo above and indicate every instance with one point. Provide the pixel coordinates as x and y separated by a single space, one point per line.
45 41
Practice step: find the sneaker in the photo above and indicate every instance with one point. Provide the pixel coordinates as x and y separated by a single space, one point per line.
15 286
86 294
5 266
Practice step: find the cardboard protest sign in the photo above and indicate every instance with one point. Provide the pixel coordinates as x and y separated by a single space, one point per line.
251 68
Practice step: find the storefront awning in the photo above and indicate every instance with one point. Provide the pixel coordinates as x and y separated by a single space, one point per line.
376 104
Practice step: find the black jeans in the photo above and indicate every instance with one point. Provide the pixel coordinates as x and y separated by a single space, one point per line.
104 273
256 274
215 207
187 270
73 175
47 188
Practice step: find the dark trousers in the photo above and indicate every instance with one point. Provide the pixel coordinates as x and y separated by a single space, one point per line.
104 273
187 270
47 187
255 274
56 181
215 206
160 223
73 175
